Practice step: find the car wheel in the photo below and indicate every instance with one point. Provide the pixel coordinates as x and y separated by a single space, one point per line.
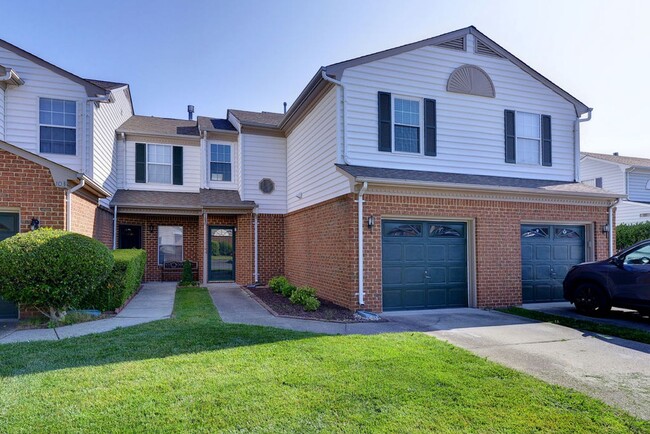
591 299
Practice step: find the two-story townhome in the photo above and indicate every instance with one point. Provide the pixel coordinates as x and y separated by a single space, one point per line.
628 176
57 159
441 173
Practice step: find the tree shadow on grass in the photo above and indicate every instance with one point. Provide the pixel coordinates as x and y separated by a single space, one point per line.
195 328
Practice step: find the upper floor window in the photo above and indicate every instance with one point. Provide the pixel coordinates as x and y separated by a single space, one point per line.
220 163
159 164
406 124
58 126
528 138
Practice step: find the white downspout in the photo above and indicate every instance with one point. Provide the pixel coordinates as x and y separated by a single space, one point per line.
576 144
344 150
115 227
68 199
256 275
205 248
610 225
364 187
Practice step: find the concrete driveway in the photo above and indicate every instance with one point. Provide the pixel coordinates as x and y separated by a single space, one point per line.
613 370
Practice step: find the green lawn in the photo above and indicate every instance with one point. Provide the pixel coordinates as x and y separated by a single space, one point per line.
195 373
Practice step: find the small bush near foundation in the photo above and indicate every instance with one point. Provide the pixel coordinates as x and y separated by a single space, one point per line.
288 290
306 297
52 270
123 281
187 278
277 283
626 235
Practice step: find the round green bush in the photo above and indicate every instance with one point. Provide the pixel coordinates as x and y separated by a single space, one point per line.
52 270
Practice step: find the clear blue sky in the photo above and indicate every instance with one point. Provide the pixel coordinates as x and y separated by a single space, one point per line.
254 55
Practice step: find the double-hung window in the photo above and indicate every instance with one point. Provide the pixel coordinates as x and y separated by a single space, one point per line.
406 125
57 126
220 163
159 164
170 244
528 138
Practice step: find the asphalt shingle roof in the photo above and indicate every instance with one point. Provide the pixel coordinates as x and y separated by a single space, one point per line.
264 119
620 159
206 198
106 85
159 126
214 124
459 178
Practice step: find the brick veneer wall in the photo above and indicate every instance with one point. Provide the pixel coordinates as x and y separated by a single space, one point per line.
29 187
270 232
498 241
91 220
320 249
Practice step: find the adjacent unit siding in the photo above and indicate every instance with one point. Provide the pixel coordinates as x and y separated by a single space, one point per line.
107 117
613 174
638 186
2 112
265 157
311 156
191 169
21 107
470 129
632 212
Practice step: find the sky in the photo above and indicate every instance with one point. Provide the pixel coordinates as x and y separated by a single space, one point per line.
256 54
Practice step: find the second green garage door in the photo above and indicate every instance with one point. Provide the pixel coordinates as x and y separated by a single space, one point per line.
424 265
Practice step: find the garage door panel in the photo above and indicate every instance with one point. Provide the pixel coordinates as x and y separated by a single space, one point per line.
457 275
561 253
392 275
542 253
415 299
542 272
414 253
413 275
457 296
526 252
457 253
527 272
393 254
437 275
436 253
577 253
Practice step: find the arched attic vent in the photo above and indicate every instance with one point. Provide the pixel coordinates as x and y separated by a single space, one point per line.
471 80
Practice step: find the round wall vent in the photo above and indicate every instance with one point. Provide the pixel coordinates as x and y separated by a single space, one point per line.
267 186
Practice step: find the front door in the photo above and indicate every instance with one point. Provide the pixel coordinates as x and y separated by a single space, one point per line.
130 237
9 226
221 253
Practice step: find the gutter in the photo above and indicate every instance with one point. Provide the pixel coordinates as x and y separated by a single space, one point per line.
364 187
256 276
68 199
115 227
340 114
576 144
610 223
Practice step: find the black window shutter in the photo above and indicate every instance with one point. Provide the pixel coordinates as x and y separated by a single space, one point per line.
511 139
547 147
430 127
599 182
178 165
384 122
140 162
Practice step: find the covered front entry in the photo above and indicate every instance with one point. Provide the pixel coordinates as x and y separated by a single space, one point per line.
424 265
547 254
9 226
221 253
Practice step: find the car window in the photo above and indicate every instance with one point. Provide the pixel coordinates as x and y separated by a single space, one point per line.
640 256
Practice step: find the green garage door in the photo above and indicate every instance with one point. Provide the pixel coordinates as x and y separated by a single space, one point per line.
424 265
9 225
547 254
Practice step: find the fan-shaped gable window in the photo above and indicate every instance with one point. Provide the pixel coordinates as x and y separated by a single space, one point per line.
471 80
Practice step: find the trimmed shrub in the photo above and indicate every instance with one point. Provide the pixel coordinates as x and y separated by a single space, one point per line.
52 270
277 283
306 297
626 235
123 281
187 278
288 290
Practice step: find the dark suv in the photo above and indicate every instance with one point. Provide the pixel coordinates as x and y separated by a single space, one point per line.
622 281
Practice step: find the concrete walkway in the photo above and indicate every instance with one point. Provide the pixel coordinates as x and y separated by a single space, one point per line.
613 370
154 301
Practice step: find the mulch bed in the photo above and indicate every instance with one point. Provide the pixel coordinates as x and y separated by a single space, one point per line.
280 305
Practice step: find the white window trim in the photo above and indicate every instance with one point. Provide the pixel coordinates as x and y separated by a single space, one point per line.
539 139
392 124
232 172
78 119
182 242
171 165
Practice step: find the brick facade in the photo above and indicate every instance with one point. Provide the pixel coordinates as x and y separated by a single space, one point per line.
270 232
321 247
91 220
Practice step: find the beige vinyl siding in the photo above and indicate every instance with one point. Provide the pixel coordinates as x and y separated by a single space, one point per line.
613 174
311 157
191 169
265 157
630 212
470 129
21 107
106 118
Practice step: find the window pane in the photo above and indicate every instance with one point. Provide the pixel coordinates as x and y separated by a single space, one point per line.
57 105
528 125
160 173
407 112
407 139
220 172
403 230
541 232
45 117
220 153
70 120
58 140
170 244
527 151
45 104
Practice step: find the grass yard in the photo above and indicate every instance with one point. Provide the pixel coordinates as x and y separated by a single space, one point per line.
195 373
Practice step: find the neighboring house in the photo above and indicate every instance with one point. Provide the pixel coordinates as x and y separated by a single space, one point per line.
628 176
441 173
57 159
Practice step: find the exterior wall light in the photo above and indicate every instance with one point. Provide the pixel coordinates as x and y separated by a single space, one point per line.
35 224
151 228
605 228
371 221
